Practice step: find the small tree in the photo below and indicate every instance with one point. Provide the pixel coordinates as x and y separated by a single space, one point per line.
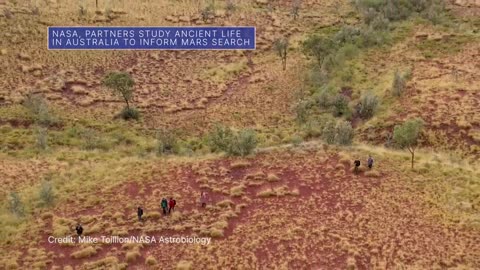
281 47
406 135
15 204
319 47
121 83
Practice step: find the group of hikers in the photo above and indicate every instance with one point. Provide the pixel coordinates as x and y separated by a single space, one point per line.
356 163
167 206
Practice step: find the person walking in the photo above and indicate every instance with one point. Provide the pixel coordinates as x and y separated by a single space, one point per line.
140 213
370 162
79 229
171 205
357 165
164 205
203 199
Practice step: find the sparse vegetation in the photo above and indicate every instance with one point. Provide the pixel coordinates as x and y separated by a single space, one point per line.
399 83
400 10
64 160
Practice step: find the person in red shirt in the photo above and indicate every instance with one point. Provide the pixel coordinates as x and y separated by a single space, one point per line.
171 205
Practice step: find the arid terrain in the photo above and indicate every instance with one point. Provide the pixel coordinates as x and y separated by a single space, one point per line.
274 149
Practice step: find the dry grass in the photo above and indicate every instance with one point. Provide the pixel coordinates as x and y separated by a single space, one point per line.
132 255
150 260
184 265
255 222
84 253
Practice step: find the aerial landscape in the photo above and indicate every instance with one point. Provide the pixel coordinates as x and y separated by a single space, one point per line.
348 137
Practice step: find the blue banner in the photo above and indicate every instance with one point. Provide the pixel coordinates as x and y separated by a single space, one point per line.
151 38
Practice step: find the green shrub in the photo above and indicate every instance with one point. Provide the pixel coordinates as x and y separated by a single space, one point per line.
42 138
343 133
435 12
92 140
312 129
328 133
208 12
340 105
219 139
240 143
243 143
230 7
348 34
324 98
167 142
46 193
296 140
130 113
367 106
369 14
369 38
380 23
302 109
15 204
38 108
396 10
399 84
